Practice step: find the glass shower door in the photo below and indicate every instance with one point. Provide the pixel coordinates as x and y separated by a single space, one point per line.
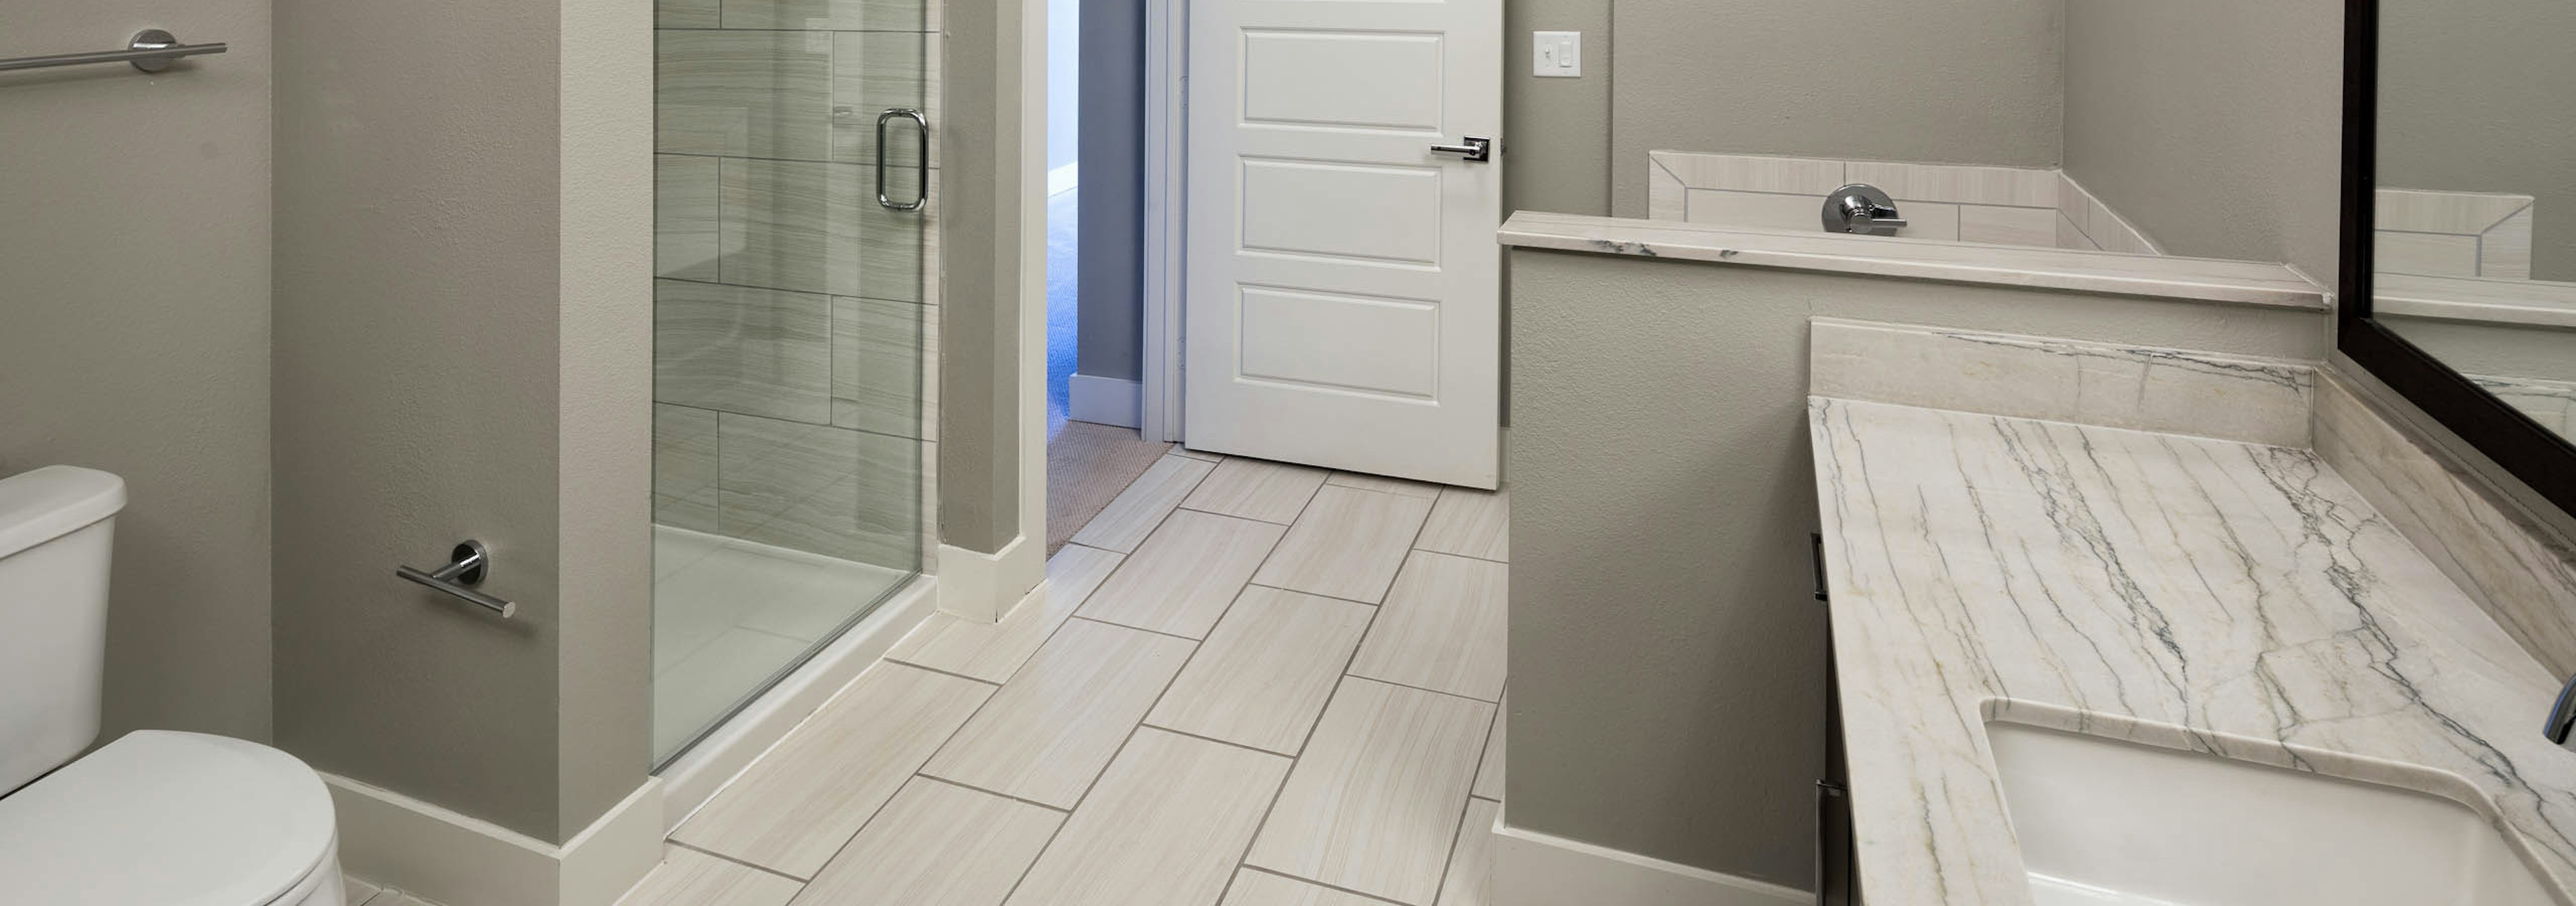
789 333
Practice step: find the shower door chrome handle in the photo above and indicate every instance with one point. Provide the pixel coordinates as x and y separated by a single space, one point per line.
1471 149
922 168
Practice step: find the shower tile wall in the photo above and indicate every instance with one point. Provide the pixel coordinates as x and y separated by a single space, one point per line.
794 317
1999 205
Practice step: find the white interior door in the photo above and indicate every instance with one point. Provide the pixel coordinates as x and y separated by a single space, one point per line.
1342 302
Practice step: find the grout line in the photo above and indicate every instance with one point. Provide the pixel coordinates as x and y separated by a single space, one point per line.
1279 588
1356 893
1202 736
750 865
891 659
1172 635
1496 701
1458 834
750 30
1486 798
968 786
719 282
1210 512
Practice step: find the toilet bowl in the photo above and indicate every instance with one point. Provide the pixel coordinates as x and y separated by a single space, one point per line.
181 819
157 817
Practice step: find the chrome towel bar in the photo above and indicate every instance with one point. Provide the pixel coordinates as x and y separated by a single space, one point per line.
466 567
151 50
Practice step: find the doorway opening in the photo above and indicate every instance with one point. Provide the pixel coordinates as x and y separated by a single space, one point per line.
1093 447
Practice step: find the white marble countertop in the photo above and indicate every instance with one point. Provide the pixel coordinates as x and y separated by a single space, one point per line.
2188 279
2531 302
2211 595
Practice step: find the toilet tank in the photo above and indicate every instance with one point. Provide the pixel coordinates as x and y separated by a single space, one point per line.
56 527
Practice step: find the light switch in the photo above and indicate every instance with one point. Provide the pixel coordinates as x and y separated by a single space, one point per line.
1556 54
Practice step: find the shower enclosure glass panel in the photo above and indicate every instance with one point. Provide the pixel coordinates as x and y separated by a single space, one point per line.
789 318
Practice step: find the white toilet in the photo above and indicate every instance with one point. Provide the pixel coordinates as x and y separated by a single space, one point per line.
157 817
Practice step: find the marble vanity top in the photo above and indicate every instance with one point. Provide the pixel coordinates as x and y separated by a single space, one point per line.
2191 593
2169 277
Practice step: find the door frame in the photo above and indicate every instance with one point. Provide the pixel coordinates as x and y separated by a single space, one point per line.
1167 55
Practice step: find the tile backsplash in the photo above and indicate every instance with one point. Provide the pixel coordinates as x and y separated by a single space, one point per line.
2452 234
795 319
1999 205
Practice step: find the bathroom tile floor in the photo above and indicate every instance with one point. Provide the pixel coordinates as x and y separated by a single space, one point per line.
1285 697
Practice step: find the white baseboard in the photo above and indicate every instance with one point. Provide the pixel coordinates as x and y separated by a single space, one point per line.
716 760
1103 400
441 855
1535 869
982 587
1064 177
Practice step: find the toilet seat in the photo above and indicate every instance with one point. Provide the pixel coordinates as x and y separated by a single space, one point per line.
162 817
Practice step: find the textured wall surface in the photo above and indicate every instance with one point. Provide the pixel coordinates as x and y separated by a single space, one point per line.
134 336
1113 189
1952 81
416 397
2212 126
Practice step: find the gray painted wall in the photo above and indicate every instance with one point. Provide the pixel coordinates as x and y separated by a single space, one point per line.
1950 81
1556 147
1113 190
138 342
441 372
979 222
2214 126
2473 98
604 423
1064 81
1667 658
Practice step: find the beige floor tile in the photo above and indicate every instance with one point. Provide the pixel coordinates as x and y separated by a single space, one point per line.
1442 628
1489 771
1471 861
795 806
1254 887
1165 828
1200 454
1266 671
936 845
688 877
1383 483
1470 524
993 651
355 892
1180 580
1137 510
1373 803
1051 729
1348 544
1256 489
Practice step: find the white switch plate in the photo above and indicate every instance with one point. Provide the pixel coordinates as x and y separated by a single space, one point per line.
1556 54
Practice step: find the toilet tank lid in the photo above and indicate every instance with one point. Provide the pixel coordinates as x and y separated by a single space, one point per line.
167 818
44 504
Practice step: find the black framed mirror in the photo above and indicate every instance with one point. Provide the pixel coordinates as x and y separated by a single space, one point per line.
2458 282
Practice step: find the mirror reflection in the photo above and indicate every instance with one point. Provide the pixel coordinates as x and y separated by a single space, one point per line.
2475 231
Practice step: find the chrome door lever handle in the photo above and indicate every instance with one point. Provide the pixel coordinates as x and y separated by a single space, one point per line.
466 567
1471 149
